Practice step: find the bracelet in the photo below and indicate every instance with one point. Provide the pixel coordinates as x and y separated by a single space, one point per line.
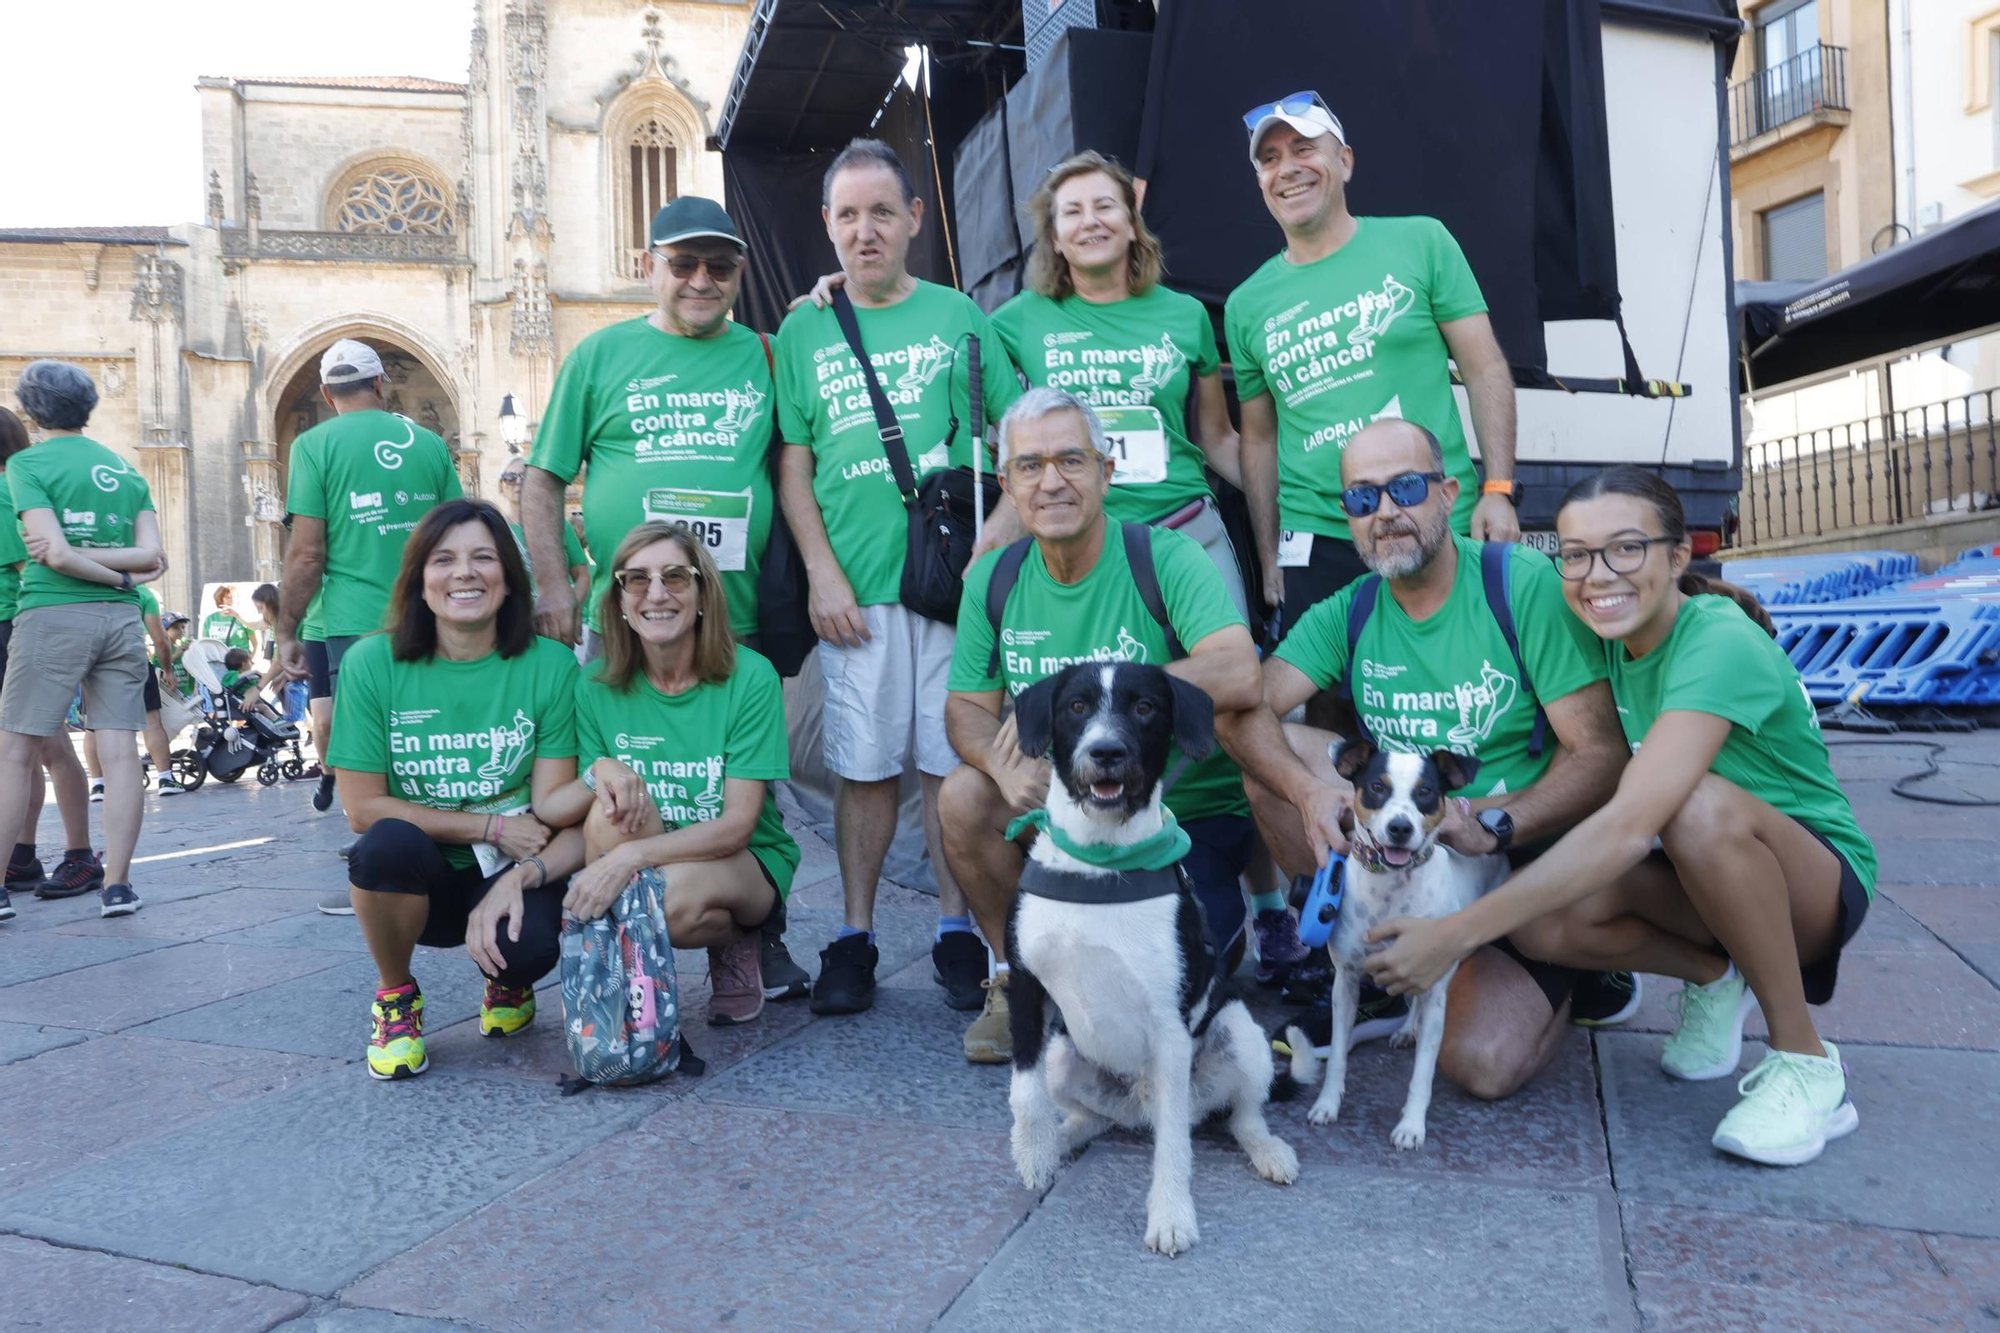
589 780
499 829
536 862
489 829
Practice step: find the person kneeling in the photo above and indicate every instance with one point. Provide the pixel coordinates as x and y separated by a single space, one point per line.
681 732
456 726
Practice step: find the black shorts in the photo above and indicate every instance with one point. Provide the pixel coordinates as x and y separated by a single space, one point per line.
1555 980
336 648
319 674
1335 564
152 693
1819 977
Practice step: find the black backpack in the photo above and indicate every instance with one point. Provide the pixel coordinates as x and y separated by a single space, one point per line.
1138 554
1496 573
784 629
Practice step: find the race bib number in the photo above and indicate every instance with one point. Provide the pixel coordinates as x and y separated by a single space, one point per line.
720 518
1138 441
1295 550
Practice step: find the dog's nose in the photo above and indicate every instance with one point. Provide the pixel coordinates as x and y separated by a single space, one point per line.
1400 830
1105 755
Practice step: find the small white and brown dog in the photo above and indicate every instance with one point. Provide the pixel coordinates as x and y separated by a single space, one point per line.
1396 867
1147 1033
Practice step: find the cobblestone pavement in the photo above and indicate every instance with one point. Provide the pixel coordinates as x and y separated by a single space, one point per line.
191 1142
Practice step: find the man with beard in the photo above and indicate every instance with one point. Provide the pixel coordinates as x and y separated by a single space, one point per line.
1432 669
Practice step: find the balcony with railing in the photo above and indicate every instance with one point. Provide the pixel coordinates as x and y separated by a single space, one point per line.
1810 88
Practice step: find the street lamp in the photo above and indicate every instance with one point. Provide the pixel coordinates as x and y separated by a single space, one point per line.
513 426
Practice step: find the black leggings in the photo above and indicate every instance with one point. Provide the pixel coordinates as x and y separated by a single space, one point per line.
395 856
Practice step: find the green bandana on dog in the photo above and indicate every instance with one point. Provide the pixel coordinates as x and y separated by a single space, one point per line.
1158 852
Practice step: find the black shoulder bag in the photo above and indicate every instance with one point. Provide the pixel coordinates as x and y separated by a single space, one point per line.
941 514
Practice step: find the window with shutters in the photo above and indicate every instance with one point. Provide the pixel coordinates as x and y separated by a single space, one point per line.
1795 240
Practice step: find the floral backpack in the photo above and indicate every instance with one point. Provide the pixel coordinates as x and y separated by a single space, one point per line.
621 1006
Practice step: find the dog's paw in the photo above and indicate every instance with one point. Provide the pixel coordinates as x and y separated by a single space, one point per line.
1036 1157
1274 1160
1170 1228
1408 1134
1404 1036
1324 1111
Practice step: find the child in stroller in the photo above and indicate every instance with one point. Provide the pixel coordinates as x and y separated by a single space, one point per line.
237 730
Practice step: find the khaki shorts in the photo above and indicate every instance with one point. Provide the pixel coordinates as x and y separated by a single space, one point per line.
885 699
55 649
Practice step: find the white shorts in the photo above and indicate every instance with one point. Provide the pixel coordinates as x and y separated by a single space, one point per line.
885 699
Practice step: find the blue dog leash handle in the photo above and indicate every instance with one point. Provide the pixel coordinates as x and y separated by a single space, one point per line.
1322 908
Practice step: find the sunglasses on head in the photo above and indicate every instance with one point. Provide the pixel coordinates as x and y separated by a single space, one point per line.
1292 104
1408 490
720 267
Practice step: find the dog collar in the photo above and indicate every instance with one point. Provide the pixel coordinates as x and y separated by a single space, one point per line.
1122 886
1162 851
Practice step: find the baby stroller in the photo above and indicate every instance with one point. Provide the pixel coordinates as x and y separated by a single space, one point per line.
221 746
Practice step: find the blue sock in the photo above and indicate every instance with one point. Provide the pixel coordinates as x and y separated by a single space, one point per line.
951 923
1273 901
846 931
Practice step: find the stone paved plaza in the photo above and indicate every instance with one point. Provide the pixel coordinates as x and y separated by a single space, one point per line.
191 1143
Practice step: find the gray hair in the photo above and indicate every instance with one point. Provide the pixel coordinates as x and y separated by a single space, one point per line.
866 153
1041 402
58 395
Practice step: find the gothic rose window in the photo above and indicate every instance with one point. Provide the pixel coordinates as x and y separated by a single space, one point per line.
392 200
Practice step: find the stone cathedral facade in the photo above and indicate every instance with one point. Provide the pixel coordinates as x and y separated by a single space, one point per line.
473 233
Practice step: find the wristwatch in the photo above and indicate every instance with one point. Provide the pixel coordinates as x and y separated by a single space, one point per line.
589 780
1501 825
124 579
1510 489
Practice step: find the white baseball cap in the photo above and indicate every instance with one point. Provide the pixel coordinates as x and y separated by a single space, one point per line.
1306 112
348 361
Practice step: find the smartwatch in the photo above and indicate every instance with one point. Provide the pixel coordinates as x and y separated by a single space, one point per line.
124 580
1510 489
1500 824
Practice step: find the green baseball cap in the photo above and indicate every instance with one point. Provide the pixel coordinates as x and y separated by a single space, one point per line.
690 217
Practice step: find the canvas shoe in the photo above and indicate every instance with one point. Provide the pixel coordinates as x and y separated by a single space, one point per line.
1603 999
1709 1041
506 1009
990 1039
1793 1106
735 982
396 1047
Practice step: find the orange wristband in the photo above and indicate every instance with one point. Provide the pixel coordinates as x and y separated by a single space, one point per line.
1497 487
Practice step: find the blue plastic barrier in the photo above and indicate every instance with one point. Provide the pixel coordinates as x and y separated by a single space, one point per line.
1896 649
1811 579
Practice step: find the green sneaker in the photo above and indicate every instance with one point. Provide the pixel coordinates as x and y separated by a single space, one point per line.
1792 1106
1709 1042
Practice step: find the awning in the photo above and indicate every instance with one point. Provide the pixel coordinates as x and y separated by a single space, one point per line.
1925 291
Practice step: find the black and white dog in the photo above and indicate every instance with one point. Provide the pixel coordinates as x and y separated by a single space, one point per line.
1395 867
1147 1034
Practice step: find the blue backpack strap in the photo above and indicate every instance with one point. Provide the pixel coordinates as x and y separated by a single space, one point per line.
1496 571
1139 555
1358 611
1005 575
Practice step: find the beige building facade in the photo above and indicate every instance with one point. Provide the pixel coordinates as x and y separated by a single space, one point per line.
473 233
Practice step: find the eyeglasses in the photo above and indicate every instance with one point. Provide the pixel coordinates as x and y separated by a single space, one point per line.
1292 104
674 578
1070 465
1408 490
720 267
1623 556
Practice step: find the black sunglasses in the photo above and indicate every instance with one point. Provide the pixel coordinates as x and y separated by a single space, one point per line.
1408 490
720 267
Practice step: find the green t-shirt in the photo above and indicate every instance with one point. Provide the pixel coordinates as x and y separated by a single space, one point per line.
1136 361
1350 339
1717 661
13 552
1448 682
312 627
371 477
455 735
671 428
685 745
97 498
572 553
231 631
1101 618
916 346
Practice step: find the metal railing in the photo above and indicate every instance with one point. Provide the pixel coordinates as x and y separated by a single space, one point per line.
1896 467
1813 80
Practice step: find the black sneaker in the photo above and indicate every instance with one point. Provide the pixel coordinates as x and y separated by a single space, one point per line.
323 794
6 906
783 978
959 958
1603 999
24 875
1377 1014
347 853
846 982
118 900
76 875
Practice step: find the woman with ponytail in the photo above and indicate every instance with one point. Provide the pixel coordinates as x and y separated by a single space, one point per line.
1762 874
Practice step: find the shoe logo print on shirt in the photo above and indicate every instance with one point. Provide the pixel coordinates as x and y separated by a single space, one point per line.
1158 363
1379 310
509 746
926 360
1480 707
743 405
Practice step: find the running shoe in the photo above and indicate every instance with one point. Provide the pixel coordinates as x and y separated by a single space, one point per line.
1709 1041
169 785
958 963
24 873
735 983
846 982
6 906
783 978
1377 1014
990 1039
506 1009
1603 999
396 1048
337 904
323 794
1793 1106
1279 949
117 900
96 789
74 877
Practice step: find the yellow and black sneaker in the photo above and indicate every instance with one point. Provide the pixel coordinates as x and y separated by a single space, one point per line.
506 1009
397 1048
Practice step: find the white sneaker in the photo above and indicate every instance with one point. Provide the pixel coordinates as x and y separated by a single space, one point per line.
1792 1107
1709 1041
97 789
